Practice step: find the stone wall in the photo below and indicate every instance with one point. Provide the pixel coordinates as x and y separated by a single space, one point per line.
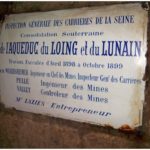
26 130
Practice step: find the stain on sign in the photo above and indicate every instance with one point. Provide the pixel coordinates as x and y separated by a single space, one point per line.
83 64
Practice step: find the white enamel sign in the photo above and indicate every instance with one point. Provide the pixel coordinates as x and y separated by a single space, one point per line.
83 64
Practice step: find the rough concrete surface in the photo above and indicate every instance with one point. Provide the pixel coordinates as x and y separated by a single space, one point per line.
26 130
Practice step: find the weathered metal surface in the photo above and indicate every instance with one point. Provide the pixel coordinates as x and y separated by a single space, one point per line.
120 104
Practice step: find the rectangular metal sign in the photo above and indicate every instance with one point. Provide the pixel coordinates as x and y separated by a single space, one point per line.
82 64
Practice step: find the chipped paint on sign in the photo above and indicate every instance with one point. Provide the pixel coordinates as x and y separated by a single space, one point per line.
83 64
